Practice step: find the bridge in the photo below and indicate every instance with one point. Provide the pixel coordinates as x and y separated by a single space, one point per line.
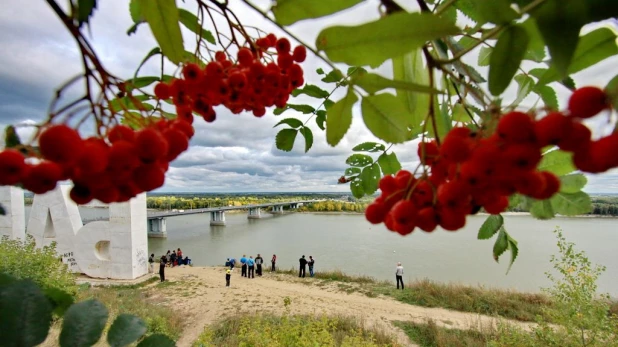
157 222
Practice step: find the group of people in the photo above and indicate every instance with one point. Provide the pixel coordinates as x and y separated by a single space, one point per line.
248 266
170 259
303 264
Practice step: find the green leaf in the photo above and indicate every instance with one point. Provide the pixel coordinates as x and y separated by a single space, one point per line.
536 46
293 122
25 314
339 118
567 16
356 187
85 8
371 176
548 95
389 163
136 12
612 91
320 119
385 116
352 171
305 109
495 11
288 12
125 330
152 53
333 77
359 160
375 42
571 204
308 135
460 114
542 210
514 252
592 48
484 55
130 103
162 17
320 71
157 340
83 324
501 244
557 162
443 122
311 90
571 184
369 147
285 139
60 300
373 83
469 9
140 82
11 139
525 84
191 22
490 227
506 58
410 68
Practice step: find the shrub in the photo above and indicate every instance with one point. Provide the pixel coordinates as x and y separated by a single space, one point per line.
22 259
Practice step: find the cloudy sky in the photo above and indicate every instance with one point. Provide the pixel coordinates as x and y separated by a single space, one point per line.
236 152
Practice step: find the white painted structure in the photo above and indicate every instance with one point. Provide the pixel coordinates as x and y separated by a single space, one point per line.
115 249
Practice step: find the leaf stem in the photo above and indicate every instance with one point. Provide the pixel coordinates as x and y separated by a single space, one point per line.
331 93
444 7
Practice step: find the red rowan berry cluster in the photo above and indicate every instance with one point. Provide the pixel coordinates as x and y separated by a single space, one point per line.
469 172
245 85
128 163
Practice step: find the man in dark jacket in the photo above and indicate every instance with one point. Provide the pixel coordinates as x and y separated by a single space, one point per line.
258 262
303 264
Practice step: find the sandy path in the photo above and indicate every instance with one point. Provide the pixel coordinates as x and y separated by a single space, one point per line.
202 296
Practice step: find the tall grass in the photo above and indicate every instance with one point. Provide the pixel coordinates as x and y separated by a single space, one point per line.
298 330
431 335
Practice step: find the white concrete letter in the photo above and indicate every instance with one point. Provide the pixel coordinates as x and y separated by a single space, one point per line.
13 223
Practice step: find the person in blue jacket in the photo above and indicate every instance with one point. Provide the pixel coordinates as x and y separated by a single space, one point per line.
232 263
243 261
251 265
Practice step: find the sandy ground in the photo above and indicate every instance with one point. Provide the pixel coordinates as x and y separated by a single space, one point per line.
203 297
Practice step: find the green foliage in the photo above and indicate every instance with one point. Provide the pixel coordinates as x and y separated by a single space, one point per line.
384 116
125 329
11 139
162 17
389 37
288 12
291 330
339 118
83 324
23 260
409 68
506 58
285 139
191 22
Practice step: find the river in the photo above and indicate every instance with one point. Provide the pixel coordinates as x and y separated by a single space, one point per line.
349 243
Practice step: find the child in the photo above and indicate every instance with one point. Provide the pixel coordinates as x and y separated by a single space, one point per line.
228 276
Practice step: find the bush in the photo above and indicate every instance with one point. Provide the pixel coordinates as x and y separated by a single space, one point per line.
286 330
581 316
22 259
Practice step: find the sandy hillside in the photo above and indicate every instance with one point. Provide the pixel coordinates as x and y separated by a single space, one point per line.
203 297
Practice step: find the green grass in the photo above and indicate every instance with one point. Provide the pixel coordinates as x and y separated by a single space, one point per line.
431 335
297 330
426 293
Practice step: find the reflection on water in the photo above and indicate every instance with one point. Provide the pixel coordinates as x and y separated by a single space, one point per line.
349 243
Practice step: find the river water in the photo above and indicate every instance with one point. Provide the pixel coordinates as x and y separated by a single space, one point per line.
349 243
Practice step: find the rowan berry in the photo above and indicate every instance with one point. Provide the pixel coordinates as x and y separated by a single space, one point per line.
43 177
455 148
162 91
95 156
245 56
516 127
530 183
121 132
191 72
283 45
552 186
299 54
122 159
177 142
497 205
522 157
403 178
587 102
220 56
259 111
578 138
12 167
263 43
387 184
454 195
237 81
451 220
472 175
427 219
81 194
428 152
423 194
214 69
552 129
106 195
150 145
285 60
375 213
185 127
272 39
60 144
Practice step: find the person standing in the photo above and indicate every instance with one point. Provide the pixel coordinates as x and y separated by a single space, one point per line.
243 268
232 263
273 261
151 263
258 264
162 262
251 265
303 264
179 256
399 275
228 277
311 263
168 258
